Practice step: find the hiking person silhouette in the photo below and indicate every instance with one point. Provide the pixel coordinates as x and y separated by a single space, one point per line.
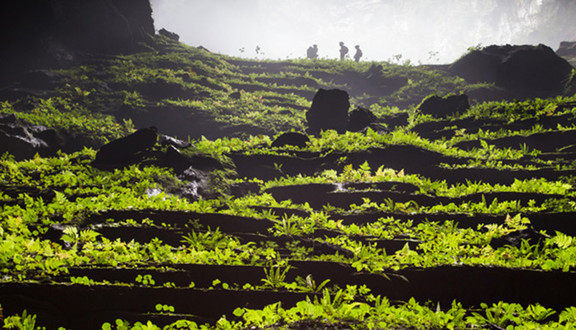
358 54
312 52
343 50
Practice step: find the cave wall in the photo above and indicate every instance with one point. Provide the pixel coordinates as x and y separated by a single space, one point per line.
39 33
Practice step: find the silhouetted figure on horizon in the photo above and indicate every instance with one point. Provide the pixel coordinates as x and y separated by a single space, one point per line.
358 54
343 50
312 52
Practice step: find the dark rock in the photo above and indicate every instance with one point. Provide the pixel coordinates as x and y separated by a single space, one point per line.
393 121
8 118
329 110
235 95
515 238
44 33
40 79
173 158
103 25
166 140
197 184
206 163
124 150
527 71
291 139
20 146
179 161
50 136
444 106
360 118
168 34
23 140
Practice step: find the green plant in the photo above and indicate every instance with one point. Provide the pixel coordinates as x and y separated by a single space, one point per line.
289 226
308 284
275 276
145 280
21 322
84 280
163 308
500 314
208 240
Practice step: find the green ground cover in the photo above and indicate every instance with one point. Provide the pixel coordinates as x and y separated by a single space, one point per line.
48 206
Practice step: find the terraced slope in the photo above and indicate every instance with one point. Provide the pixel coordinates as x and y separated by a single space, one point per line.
461 222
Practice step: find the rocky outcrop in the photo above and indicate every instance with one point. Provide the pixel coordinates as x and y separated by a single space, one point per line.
525 71
147 147
329 110
44 33
359 119
23 140
168 34
440 107
567 48
127 149
568 51
291 139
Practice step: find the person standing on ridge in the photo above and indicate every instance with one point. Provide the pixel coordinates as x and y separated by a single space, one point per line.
312 52
358 54
343 50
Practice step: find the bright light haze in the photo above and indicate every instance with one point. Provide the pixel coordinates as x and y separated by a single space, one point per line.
424 31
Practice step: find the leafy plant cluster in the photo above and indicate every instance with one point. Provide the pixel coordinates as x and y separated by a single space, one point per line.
344 309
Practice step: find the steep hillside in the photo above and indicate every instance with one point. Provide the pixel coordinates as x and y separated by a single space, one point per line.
419 220
568 51
190 92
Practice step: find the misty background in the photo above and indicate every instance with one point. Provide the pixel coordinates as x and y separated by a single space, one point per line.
423 31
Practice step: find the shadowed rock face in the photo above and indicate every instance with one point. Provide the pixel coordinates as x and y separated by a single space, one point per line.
291 139
359 119
49 32
24 140
444 106
567 48
329 110
526 71
124 150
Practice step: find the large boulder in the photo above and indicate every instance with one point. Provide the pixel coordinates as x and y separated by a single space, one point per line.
329 110
441 107
525 71
126 150
359 119
291 139
23 140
